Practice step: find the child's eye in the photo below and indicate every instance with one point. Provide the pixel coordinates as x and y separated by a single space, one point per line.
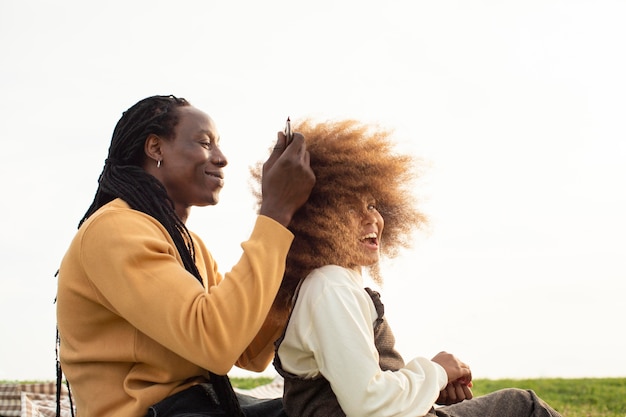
371 207
207 145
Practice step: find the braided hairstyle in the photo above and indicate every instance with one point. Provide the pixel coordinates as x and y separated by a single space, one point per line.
123 177
349 159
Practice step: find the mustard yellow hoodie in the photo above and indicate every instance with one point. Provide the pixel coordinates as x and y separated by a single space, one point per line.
136 327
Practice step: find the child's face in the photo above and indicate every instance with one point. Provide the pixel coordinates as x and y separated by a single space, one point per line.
367 225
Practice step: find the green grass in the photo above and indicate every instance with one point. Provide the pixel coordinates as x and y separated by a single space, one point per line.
585 397
249 383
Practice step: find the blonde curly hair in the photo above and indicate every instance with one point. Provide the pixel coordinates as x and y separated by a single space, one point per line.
350 159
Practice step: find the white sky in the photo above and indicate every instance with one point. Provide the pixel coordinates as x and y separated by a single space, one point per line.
518 105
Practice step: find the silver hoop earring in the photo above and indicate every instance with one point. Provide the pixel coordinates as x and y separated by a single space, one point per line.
159 163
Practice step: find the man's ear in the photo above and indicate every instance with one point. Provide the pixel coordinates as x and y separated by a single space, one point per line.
152 148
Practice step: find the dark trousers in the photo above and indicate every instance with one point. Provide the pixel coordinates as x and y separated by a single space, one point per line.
201 401
510 402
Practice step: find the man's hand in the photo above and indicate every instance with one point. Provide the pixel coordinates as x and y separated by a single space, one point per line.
287 179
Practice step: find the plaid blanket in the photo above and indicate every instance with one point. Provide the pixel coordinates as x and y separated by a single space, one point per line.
32 400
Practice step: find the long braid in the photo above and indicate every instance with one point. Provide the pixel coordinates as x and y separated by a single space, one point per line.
123 177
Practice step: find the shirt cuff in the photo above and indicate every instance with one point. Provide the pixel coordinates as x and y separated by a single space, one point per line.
442 376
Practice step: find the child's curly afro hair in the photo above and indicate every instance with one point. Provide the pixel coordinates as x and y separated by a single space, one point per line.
349 159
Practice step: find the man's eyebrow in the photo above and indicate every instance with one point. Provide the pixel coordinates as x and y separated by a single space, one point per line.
210 135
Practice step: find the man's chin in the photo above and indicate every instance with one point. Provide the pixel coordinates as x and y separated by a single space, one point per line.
210 202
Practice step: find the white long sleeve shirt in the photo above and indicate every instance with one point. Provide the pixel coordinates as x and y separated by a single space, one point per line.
331 333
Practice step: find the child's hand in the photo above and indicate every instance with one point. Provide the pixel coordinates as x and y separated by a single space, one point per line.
455 392
465 381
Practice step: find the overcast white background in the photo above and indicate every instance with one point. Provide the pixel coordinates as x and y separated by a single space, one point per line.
518 105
